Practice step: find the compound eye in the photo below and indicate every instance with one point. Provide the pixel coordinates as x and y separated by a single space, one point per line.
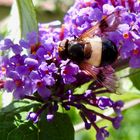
76 52
109 52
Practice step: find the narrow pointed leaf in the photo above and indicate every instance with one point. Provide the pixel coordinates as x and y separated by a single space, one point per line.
27 15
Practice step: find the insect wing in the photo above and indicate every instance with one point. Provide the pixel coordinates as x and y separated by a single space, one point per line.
104 76
107 24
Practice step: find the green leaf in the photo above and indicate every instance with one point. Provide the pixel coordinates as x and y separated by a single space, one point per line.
22 20
14 126
60 128
13 123
135 77
83 88
28 21
129 126
24 131
0 100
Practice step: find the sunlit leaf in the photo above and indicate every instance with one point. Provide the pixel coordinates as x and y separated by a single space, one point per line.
22 19
13 123
28 21
135 77
60 128
14 126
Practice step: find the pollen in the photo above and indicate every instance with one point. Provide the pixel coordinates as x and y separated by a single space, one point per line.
126 35
60 49
3 69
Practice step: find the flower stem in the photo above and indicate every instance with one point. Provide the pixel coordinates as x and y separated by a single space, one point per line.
127 105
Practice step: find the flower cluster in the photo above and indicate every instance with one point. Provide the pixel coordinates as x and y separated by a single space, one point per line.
86 13
34 70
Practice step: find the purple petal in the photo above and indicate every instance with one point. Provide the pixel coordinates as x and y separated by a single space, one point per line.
104 102
68 79
52 68
32 38
49 80
41 52
108 9
43 66
9 85
31 62
44 92
95 15
19 93
49 117
24 44
8 42
116 121
101 134
16 49
13 74
34 75
135 62
33 117
22 70
4 47
28 87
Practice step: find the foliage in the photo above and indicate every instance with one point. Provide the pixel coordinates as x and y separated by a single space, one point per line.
15 126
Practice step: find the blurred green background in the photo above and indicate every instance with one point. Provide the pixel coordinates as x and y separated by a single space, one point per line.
49 10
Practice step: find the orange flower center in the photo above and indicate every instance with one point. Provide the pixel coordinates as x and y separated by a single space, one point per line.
3 69
135 51
39 84
34 48
126 35
18 83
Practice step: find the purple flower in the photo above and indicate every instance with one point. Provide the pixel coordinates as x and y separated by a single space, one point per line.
32 38
49 117
102 133
24 44
104 102
108 9
40 84
6 44
84 15
42 75
20 86
33 117
117 107
16 49
116 121
68 72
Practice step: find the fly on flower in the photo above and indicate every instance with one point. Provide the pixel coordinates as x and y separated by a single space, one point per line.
93 52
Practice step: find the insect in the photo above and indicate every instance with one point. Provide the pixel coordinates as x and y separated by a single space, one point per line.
95 54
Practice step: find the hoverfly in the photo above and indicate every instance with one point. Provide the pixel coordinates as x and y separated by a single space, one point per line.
95 54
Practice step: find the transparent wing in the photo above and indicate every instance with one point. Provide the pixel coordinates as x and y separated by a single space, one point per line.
105 76
107 24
